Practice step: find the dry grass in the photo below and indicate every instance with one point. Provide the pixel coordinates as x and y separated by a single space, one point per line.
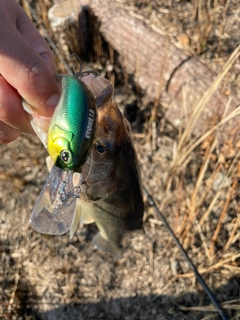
194 180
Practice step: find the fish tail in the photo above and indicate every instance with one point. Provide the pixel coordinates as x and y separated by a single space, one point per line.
100 243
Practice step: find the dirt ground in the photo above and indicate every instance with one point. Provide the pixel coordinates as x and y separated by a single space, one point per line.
53 277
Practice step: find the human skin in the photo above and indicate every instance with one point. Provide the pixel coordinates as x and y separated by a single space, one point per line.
26 71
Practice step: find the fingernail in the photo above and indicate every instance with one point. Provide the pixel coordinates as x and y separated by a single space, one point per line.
51 104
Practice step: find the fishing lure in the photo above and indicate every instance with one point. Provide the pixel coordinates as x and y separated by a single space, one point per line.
72 126
69 140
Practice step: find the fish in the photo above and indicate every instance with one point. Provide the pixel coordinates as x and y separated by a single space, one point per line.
112 196
111 190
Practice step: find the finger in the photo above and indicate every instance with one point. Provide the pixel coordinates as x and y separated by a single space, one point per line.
11 110
30 33
18 17
8 134
26 70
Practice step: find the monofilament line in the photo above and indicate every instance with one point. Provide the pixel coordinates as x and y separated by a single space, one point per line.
184 253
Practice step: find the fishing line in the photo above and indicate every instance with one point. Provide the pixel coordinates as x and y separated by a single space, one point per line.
184 253
47 36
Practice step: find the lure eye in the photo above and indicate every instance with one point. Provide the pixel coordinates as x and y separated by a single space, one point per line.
66 156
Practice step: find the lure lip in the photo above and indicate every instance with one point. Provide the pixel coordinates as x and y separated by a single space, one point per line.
55 207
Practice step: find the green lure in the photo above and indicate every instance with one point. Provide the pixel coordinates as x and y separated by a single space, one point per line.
72 126
69 141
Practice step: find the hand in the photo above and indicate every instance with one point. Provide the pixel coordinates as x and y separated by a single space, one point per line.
26 70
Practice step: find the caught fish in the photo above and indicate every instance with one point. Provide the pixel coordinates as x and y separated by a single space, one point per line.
112 195
110 192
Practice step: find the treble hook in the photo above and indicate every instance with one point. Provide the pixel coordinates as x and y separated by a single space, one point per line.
82 73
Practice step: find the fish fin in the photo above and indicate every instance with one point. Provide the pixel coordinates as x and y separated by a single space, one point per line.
81 216
100 243
104 96
76 220
86 218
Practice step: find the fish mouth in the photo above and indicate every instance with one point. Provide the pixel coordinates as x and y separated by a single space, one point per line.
112 126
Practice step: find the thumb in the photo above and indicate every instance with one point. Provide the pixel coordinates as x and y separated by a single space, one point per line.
27 65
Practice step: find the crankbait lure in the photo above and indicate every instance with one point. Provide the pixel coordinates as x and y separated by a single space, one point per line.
69 140
72 127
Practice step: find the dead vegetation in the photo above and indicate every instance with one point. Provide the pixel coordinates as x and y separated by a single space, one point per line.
194 181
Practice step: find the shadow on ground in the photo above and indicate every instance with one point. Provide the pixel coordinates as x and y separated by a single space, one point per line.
159 307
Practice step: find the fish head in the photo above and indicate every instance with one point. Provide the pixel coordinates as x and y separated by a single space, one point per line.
112 131
114 156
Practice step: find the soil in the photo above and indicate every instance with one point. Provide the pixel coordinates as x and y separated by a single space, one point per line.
53 277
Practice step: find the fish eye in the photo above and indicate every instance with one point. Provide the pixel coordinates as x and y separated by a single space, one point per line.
99 147
66 156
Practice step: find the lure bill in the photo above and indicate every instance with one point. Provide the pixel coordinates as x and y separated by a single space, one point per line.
55 207
68 136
